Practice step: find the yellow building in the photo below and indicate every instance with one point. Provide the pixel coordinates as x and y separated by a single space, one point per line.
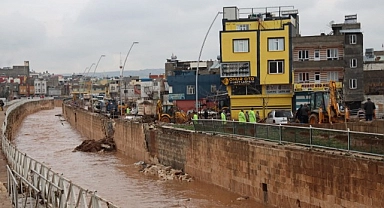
256 56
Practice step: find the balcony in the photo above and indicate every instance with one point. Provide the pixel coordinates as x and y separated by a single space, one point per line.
319 64
324 86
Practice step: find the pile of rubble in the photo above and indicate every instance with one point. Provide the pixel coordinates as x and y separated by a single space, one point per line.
163 172
106 144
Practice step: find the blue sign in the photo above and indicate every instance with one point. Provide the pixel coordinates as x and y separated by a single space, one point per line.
172 97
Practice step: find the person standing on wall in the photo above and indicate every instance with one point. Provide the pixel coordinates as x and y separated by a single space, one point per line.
304 113
252 116
257 116
369 108
195 117
128 111
206 114
2 105
298 113
223 117
242 117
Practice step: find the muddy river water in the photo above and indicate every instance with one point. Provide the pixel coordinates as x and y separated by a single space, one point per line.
50 140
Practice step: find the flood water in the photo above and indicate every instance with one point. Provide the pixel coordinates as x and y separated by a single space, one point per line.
50 140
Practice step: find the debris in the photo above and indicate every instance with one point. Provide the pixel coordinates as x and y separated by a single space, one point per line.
163 172
106 144
242 198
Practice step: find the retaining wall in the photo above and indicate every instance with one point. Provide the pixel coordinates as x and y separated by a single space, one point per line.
278 175
15 118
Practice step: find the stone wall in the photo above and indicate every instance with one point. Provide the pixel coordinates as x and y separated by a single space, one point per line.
278 175
91 126
15 118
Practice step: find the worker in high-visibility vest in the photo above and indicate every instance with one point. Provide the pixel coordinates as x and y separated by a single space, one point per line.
242 117
252 116
223 117
128 111
195 117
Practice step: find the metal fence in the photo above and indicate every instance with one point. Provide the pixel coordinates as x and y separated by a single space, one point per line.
361 142
32 184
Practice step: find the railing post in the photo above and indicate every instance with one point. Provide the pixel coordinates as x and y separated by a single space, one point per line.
310 135
349 139
233 127
280 133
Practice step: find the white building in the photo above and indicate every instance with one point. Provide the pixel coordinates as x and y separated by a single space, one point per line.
40 87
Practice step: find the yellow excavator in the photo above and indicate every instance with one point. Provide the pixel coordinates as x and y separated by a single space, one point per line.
326 106
168 114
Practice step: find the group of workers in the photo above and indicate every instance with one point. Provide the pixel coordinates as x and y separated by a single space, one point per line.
250 116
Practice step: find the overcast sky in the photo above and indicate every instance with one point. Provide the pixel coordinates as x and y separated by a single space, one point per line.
66 36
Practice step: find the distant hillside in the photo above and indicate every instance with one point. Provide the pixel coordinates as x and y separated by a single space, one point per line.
143 73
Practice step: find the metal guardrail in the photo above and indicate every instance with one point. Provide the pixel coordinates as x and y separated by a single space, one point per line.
32 184
359 142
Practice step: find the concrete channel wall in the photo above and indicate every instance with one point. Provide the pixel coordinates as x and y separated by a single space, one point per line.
277 175
15 118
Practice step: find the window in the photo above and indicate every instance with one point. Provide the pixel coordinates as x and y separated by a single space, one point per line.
317 77
190 89
303 77
303 55
353 63
275 67
275 44
353 84
332 54
213 88
278 89
333 76
246 90
316 55
237 69
242 27
352 39
240 46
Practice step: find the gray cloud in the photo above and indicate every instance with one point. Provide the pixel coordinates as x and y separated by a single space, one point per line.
66 37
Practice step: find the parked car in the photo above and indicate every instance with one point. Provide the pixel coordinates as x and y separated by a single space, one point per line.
279 117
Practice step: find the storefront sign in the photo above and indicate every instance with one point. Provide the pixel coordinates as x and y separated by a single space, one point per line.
315 87
172 97
238 80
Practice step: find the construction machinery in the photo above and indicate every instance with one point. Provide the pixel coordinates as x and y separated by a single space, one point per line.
326 106
169 113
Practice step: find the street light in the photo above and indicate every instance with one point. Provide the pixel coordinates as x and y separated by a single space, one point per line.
198 61
121 75
90 68
92 80
97 65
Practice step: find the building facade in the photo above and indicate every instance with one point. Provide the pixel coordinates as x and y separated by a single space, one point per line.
40 87
181 78
336 56
317 60
256 58
353 84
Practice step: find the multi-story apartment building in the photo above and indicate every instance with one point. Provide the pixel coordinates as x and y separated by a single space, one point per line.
40 86
181 78
373 72
256 58
16 71
330 57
